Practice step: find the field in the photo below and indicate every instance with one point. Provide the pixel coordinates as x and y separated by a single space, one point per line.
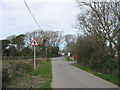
20 74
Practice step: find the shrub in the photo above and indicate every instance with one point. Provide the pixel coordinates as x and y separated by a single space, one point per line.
5 78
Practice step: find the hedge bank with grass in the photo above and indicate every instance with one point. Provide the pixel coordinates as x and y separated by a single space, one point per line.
20 74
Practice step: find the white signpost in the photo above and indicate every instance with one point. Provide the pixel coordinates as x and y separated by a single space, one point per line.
68 54
34 43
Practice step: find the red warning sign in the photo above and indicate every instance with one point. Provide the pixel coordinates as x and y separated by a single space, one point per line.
34 42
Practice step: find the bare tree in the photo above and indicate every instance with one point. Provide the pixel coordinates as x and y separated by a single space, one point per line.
69 39
45 39
28 38
101 21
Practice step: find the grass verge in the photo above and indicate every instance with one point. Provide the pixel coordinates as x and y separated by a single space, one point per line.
69 60
45 71
111 78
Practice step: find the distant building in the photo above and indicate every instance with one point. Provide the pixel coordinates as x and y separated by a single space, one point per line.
62 54
75 57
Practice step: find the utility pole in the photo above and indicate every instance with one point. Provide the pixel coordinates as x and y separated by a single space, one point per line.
118 46
118 57
45 43
46 50
119 38
118 53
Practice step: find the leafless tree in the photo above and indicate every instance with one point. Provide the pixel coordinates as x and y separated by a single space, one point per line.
101 21
69 39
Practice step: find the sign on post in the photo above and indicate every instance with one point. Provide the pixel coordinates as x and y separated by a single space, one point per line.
34 43
69 54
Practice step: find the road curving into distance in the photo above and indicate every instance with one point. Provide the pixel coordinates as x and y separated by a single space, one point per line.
68 76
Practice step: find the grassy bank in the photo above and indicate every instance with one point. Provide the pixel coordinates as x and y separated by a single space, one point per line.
69 60
45 72
20 74
111 78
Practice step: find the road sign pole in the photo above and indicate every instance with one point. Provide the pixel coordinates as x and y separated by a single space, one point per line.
34 59
34 43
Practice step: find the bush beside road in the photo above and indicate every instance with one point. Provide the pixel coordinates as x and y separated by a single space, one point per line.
111 78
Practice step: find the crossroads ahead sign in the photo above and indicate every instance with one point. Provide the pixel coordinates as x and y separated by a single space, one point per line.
34 42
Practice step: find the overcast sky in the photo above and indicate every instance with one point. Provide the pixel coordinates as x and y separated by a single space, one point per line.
58 15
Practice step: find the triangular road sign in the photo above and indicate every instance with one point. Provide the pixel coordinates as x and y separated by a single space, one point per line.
34 42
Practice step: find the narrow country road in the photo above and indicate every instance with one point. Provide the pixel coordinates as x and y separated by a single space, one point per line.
68 76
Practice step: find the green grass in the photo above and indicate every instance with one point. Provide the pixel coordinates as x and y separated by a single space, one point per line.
111 78
69 60
45 72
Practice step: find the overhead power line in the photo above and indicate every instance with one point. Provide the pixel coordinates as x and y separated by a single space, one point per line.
31 13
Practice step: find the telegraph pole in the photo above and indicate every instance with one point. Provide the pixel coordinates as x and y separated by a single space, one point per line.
119 38
46 49
119 46
118 52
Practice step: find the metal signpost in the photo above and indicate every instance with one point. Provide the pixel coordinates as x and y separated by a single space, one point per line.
34 43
